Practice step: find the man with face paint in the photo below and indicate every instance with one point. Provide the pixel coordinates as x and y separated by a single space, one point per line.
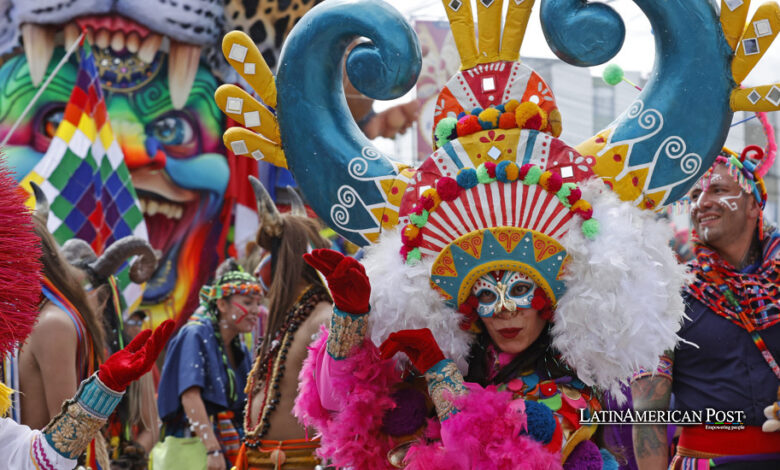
728 359
201 390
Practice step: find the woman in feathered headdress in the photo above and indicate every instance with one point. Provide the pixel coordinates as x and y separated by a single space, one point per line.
505 267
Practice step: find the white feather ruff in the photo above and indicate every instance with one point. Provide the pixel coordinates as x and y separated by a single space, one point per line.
623 304
401 299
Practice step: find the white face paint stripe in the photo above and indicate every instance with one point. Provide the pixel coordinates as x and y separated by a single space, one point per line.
729 202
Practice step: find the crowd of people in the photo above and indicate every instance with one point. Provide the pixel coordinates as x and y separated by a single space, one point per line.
504 297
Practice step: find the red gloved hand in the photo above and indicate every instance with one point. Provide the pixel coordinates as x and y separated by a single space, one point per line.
346 278
419 345
136 359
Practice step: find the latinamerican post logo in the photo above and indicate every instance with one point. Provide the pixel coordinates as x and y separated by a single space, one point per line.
709 417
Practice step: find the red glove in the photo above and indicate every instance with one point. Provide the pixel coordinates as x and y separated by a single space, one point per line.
136 359
419 345
346 278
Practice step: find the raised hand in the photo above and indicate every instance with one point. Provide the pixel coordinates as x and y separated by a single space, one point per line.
346 278
136 358
419 345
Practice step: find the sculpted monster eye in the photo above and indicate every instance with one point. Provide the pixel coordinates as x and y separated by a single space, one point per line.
51 121
172 130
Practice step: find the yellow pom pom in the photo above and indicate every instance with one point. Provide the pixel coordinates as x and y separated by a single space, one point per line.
434 195
490 115
512 171
581 205
511 106
545 179
411 231
556 123
530 116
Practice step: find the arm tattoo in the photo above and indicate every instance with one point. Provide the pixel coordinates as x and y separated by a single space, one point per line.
651 393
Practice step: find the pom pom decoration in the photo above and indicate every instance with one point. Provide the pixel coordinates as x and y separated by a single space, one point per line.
433 195
419 219
529 115
551 181
574 195
507 121
590 228
585 456
447 188
532 176
490 167
468 125
446 131
476 111
613 74
483 176
19 265
501 174
467 178
490 115
511 106
541 422
413 257
410 236
582 207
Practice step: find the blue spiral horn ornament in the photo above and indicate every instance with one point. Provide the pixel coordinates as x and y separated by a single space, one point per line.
347 181
657 149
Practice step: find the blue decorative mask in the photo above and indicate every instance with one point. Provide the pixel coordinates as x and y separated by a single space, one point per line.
503 290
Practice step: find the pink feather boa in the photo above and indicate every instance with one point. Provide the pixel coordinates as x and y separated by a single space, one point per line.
478 437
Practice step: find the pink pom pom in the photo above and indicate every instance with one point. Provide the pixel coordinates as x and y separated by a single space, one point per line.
491 169
574 195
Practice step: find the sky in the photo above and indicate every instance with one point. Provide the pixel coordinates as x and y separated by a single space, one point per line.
638 49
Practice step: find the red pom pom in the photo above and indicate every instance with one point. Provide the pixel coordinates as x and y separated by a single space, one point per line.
418 208
507 121
524 170
447 188
426 202
491 169
468 125
405 251
574 195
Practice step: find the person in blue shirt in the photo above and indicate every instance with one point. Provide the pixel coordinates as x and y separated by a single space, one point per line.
728 359
201 391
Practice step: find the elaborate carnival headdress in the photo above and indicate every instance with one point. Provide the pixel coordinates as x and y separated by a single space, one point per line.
500 191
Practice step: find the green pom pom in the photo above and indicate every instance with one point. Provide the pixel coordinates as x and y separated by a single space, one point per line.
483 176
419 220
532 177
613 74
590 228
413 257
445 129
564 192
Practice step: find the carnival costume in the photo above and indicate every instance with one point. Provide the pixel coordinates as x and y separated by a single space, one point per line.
67 435
196 358
501 195
265 382
733 318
